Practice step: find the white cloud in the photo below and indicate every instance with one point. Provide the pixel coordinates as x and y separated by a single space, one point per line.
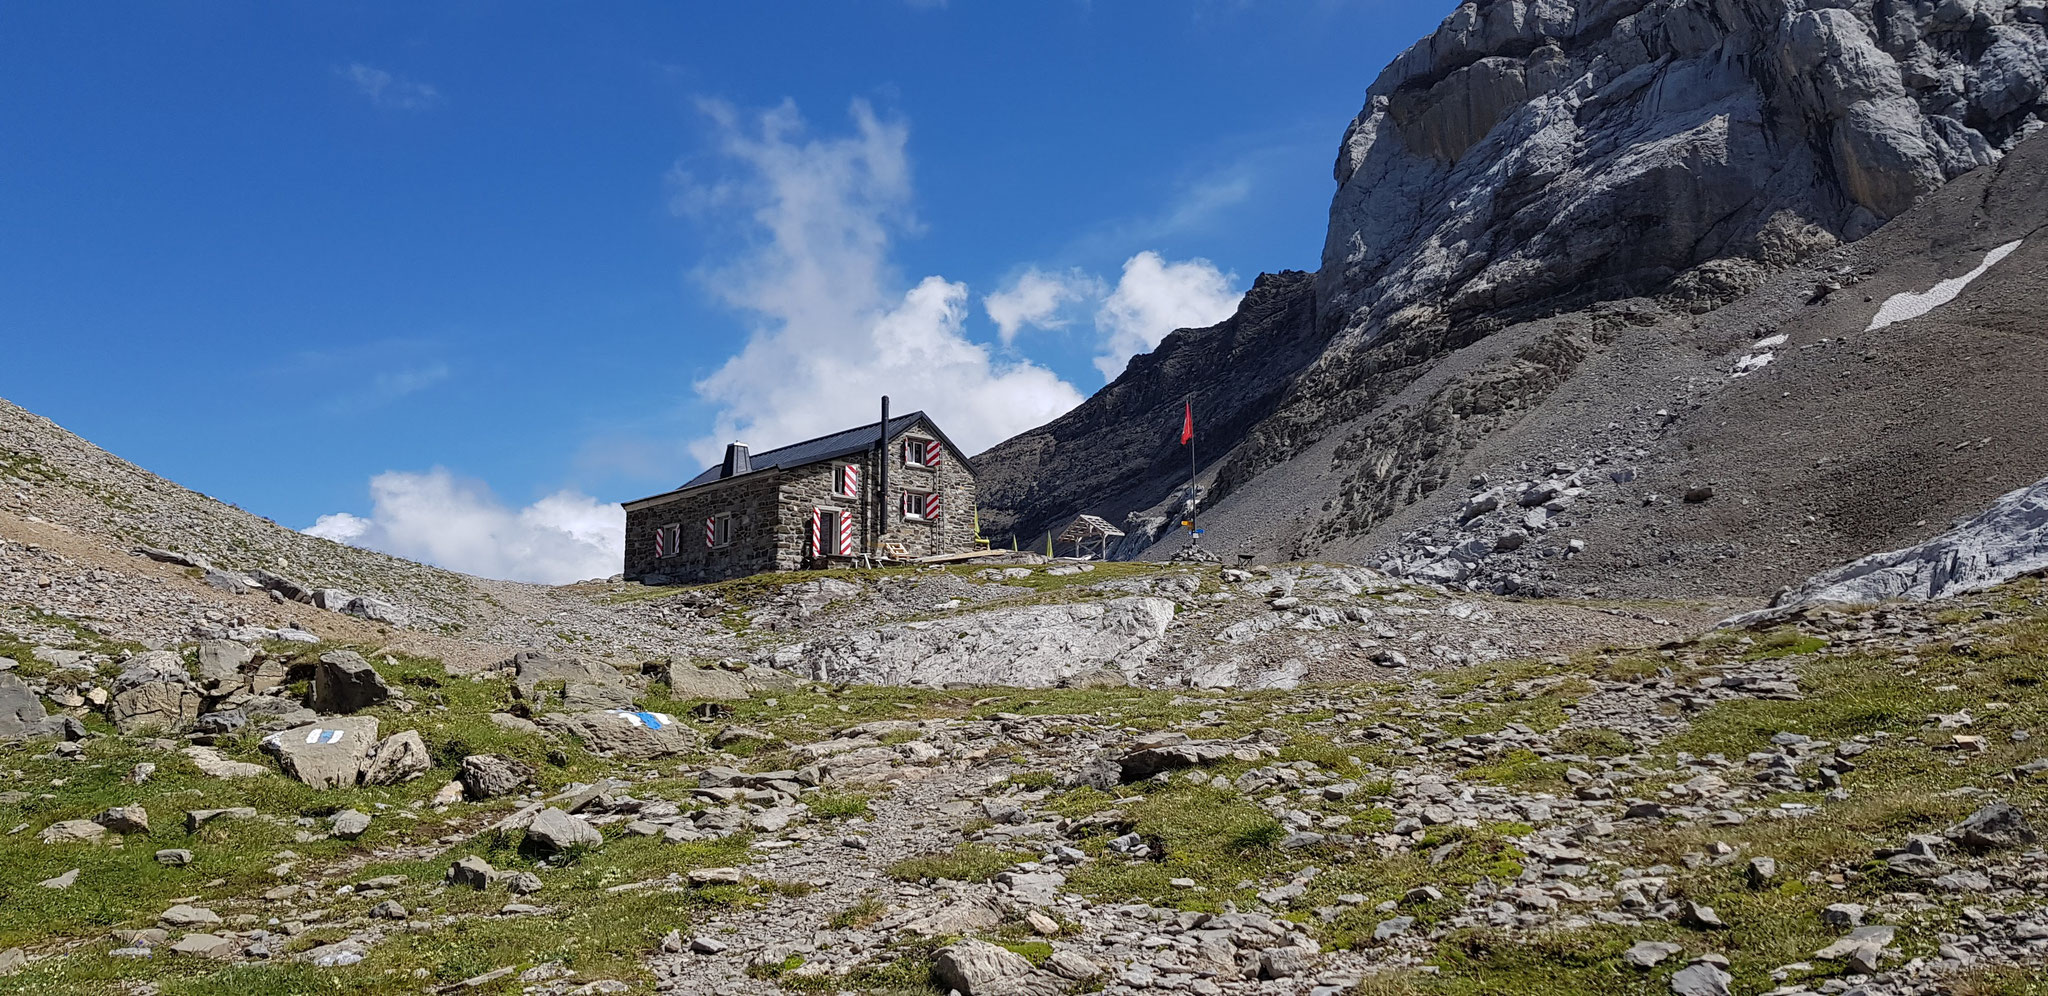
386 90
438 519
832 332
1037 299
1154 298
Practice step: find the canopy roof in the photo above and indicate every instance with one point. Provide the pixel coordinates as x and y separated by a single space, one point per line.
1088 527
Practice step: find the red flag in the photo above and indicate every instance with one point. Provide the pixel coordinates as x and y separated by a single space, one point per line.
1187 425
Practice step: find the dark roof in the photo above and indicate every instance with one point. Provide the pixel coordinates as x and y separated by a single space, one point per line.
811 451
838 444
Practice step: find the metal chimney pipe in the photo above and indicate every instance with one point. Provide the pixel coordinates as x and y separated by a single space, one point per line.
882 478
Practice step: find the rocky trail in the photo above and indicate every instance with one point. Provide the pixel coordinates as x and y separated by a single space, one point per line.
1767 811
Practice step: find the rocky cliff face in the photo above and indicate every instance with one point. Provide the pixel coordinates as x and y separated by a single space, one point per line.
1121 451
1577 174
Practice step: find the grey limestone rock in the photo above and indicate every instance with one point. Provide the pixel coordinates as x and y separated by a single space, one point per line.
553 830
1032 647
221 663
400 757
350 824
624 733
2008 540
487 776
977 968
22 715
1701 979
690 682
325 754
471 872
344 682
154 692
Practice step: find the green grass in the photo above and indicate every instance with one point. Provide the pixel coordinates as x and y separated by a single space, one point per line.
1563 963
1213 836
966 863
838 805
864 911
1519 768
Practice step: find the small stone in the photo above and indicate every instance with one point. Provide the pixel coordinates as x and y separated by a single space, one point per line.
350 824
205 946
1843 915
63 881
707 945
716 876
1701 979
1041 924
72 832
487 776
389 909
1703 917
174 857
183 915
1647 954
1761 872
472 872
1392 927
553 831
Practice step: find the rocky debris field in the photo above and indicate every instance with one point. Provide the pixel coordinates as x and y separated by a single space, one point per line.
130 559
1847 802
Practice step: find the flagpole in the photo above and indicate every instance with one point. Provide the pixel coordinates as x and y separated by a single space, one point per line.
1191 467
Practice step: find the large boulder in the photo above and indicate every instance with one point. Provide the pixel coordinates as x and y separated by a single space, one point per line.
625 734
1039 646
400 757
973 967
576 685
691 683
221 663
1149 761
487 776
553 831
328 754
22 715
284 586
376 610
344 682
1994 827
154 693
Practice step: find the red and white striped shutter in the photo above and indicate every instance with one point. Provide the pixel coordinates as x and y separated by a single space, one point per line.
661 541
849 479
910 451
932 452
908 507
845 534
711 532
931 505
817 532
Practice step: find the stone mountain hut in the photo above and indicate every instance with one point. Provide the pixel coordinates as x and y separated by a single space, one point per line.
894 489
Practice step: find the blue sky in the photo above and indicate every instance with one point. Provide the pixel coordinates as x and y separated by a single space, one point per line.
460 276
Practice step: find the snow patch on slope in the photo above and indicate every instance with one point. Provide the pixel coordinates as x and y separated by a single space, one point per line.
1910 305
